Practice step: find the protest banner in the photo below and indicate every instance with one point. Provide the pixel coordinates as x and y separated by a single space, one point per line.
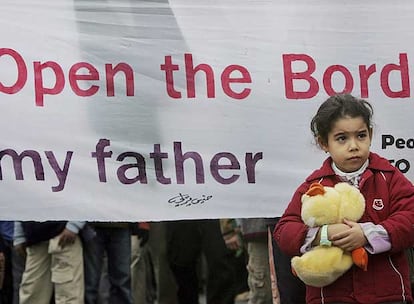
137 110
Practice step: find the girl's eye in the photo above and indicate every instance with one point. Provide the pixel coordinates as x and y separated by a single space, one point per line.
341 138
362 135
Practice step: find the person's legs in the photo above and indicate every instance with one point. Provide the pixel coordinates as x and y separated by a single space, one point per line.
67 272
259 273
103 293
6 292
36 286
220 281
183 251
118 248
93 252
18 265
137 272
291 289
166 287
187 281
141 273
238 261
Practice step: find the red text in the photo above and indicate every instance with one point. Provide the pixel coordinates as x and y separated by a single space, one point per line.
364 74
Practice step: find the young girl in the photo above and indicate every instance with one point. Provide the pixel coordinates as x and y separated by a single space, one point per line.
342 127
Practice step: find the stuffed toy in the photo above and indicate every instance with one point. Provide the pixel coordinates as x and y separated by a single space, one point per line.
324 264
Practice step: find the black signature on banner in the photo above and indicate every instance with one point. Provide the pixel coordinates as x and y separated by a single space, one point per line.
186 200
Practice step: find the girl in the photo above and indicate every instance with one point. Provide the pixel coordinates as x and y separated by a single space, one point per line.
342 127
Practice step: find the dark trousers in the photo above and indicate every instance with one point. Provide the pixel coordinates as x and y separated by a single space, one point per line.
291 289
187 240
6 291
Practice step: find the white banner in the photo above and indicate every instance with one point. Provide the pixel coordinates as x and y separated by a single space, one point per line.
159 110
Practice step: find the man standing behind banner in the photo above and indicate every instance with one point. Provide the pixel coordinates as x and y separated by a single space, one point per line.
254 232
6 276
54 262
187 241
114 240
290 289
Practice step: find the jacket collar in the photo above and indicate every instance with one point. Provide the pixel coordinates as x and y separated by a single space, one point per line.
376 163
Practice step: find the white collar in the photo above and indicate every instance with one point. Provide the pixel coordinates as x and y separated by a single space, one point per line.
350 177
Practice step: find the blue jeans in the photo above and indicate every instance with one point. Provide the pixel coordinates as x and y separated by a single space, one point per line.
116 243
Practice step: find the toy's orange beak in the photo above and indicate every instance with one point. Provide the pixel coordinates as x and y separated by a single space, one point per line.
315 189
360 258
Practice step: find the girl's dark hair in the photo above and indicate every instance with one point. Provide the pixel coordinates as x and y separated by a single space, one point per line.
336 107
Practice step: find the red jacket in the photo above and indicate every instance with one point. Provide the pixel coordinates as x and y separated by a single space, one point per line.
389 199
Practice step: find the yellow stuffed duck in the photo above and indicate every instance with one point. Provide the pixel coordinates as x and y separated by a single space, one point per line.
322 205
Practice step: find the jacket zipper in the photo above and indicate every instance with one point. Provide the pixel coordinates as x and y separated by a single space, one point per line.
401 279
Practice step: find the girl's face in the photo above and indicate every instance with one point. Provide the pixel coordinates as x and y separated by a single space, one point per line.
348 143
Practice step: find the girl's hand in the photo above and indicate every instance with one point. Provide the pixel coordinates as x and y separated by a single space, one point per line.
335 229
351 238
332 229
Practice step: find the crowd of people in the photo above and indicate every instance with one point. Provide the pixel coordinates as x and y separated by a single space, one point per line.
173 262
